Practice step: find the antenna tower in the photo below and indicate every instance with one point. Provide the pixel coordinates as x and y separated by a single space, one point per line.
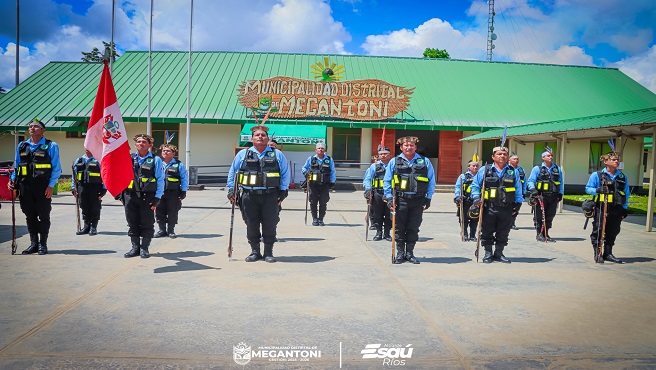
491 36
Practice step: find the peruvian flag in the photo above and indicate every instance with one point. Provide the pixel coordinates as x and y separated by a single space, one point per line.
107 139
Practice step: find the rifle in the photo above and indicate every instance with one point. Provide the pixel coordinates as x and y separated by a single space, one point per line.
600 241
14 246
307 197
480 215
366 220
462 215
543 231
393 225
77 198
232 215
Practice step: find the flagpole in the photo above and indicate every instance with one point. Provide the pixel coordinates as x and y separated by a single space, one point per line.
111 43
150 66
188 135
17 40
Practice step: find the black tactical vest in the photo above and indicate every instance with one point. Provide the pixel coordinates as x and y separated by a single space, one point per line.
522 175
466 184
379 175
260 172
34 164
617 196
319 171
548 181
87 172
411 179
499 190
173 177
144 175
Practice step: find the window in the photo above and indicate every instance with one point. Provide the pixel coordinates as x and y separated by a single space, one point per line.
159 130
597 148
346 144
75 134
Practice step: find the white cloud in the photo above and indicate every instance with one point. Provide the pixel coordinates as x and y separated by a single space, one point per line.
641 68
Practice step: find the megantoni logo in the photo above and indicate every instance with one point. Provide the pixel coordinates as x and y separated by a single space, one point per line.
392 354
241 353
327 71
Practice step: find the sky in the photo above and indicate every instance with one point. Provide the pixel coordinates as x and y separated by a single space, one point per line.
603 33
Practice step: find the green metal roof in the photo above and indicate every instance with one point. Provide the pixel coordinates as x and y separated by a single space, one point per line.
449 94
631 122
45 93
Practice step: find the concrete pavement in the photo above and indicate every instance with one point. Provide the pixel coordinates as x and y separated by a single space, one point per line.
85 306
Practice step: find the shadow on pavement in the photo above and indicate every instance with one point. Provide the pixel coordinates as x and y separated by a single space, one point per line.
5 235
637 259
79 252
305 259
347 225
530 259
424 238
570 239
445 260
199 236
283 240
183 265
120 233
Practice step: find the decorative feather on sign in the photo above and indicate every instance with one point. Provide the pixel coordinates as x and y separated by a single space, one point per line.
611 143
503 138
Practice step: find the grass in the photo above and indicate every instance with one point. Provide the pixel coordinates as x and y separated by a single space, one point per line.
64 186
637 203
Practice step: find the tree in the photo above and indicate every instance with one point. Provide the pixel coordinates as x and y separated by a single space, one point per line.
436 53
2 90
96 55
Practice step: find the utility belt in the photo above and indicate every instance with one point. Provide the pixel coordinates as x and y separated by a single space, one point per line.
410 195
260 191
378 190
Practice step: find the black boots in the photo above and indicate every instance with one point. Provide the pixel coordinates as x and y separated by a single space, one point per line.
145 243
400 253
608 255
255 253
315 221
92 228
34 244
387 235
379 234
498 255
268 253
171 232
488 254
85 229
320 222
43 244
598 258
409 256
135 247
161 232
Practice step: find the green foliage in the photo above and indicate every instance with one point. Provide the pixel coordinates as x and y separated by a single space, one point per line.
2 90
64 185
637 203
95 56
436 53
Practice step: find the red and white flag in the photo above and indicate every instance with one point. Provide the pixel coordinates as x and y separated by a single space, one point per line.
107 138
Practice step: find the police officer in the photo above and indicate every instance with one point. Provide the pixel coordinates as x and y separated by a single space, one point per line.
319 170
545 180
462 195
373 191
142 196
36 173
501 202
176 184
273 143
612 186
88 188
413 179
514 162
263 174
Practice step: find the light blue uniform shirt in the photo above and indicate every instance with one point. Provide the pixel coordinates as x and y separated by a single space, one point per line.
370 173
53 152
333 174
184 175
594 183
478 182
159 172
535 172
459 182
389 174
239 159
86 160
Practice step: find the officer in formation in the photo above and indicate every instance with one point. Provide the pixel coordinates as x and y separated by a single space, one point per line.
36 174
319 170
263 175
273 143
545 181
142 196
501 201
514 163
463 196
87 186
409 185
373 191
176 184
610 187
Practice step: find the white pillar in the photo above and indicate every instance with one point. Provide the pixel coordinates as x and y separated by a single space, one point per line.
652 182
561 164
